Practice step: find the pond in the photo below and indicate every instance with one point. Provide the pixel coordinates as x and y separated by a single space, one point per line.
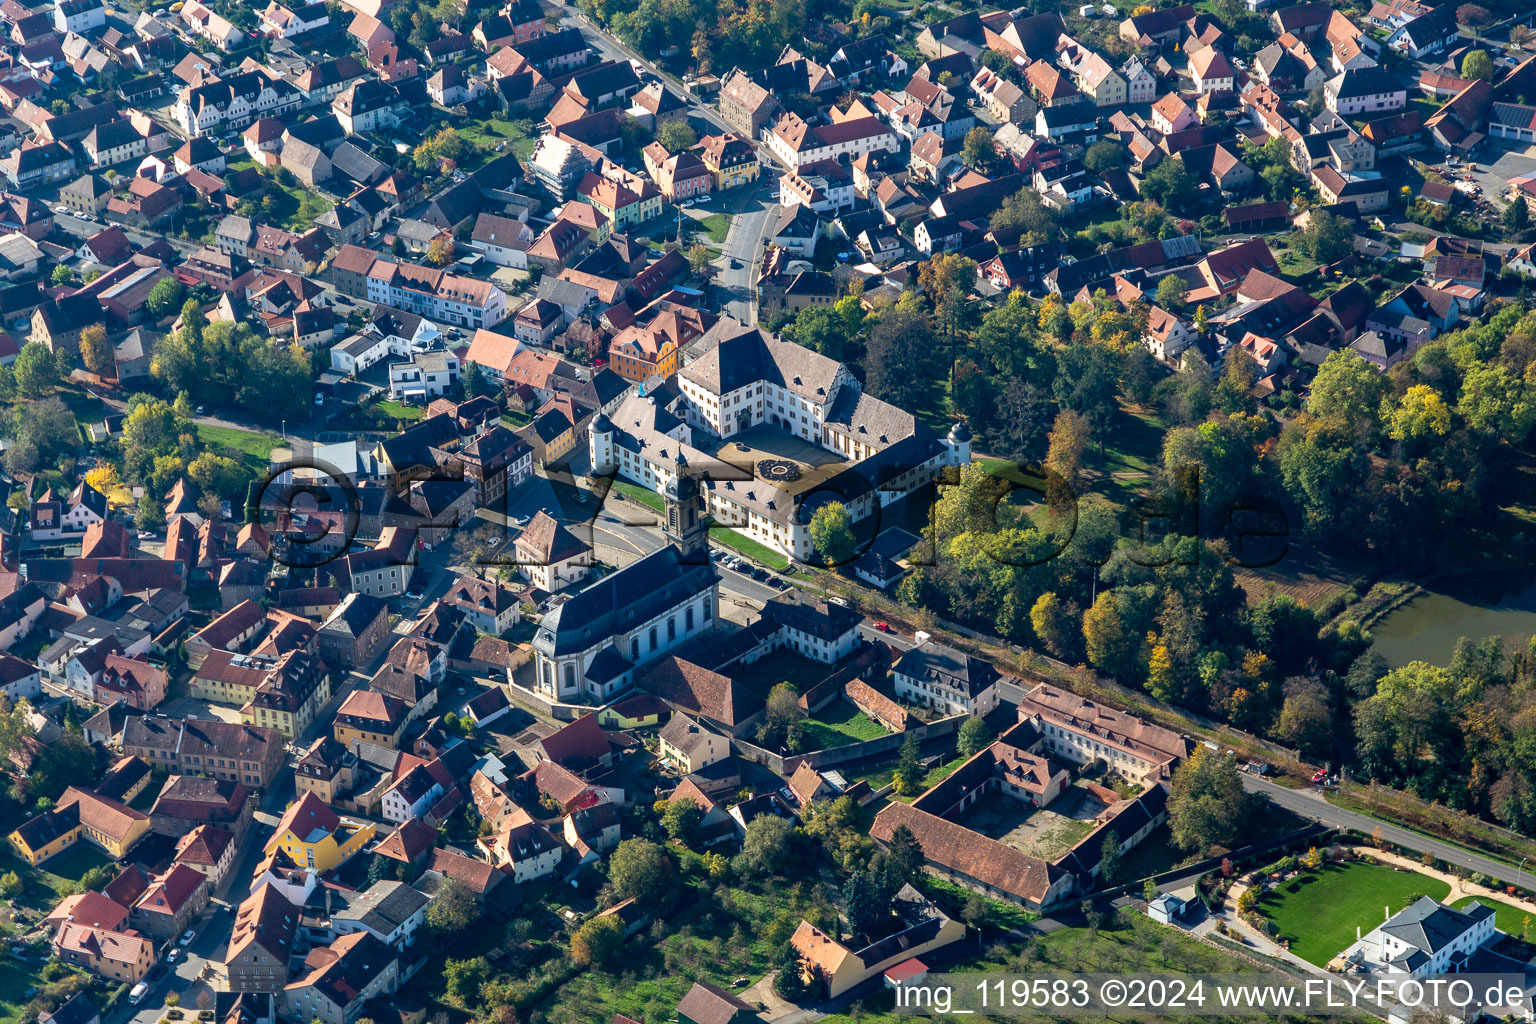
1427 628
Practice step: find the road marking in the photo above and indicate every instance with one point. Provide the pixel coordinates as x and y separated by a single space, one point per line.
638 550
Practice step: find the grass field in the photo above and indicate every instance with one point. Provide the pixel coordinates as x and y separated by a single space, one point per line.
488 132
398 410
1319 911
644 495
937 774
251 448
15 979
839 724
1126 943
1508 918
745 545
716 226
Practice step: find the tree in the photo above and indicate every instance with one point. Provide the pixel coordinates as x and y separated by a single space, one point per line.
1023 217
219 475
639 868
974 736
1477 65
165 297
832 533
1149 890
35 369
1327 237
61 275
453 908
1420 415
1206 805
909 768
1347 392
867 901
1104 155
979 152
474 380
1109 859
783 718
1172 293
1056 624
903 857
1064 456
1171 186
765 846
94 350
596 941
440 252
677 136
698 258
681 820
10 885
789 982
1496 403
900 359
1474 15
1517 215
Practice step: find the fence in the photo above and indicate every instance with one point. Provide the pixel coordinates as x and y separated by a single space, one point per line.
865 750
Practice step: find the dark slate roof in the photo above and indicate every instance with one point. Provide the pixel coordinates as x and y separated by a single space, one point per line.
641 590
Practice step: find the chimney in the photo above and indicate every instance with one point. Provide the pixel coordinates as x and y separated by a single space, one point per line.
1386 913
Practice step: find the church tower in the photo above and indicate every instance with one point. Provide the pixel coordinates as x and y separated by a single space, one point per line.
684 524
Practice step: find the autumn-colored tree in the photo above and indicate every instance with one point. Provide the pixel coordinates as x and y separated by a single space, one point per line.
440 252
95 353
1161 681
1064 457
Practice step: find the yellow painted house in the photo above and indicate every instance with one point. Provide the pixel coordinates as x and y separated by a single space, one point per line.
371 717
731 159
625 199
641 711
317 837
80 816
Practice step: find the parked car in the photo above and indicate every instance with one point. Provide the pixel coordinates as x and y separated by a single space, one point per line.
62 211
884 627
187 936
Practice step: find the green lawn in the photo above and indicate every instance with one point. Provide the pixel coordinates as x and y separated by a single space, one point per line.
952 896
1319 911
296 206
146 798
716 226
15 978
398 410
937 774
1509 919
1127 942
644 495
488 132
747 546
244 442
839 724
515 418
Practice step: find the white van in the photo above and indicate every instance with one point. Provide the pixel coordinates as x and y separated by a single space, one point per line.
136 996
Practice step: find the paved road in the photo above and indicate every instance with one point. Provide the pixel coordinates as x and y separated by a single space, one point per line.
1309 803
743 251
83 229
612 49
